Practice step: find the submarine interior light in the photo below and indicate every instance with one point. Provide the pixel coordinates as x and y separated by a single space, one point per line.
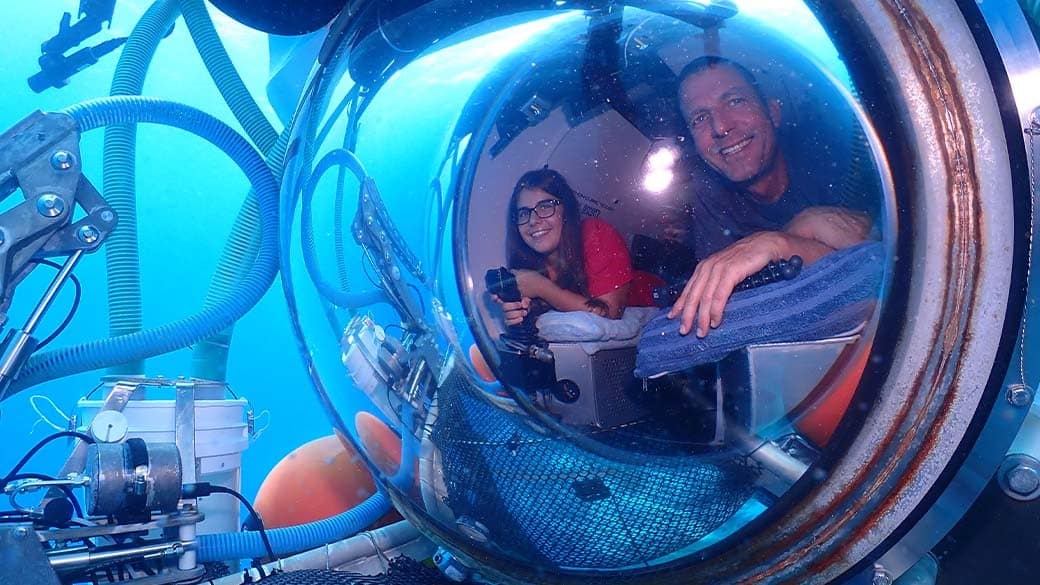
853 403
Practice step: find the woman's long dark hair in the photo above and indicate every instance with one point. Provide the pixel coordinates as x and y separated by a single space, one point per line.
570 267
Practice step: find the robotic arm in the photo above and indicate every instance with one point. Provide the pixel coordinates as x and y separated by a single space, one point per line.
39 156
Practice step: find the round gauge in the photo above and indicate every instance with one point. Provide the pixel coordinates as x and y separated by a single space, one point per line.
109 426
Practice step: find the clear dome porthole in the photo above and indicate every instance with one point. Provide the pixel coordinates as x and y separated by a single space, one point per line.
608 290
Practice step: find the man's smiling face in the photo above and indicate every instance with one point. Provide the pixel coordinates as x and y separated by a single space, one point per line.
733 130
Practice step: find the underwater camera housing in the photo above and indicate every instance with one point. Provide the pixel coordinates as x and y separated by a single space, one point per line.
144 510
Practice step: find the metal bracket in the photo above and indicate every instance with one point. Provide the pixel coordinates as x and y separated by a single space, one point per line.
1034 123
374 226
22 559
77 460
185 430
40 156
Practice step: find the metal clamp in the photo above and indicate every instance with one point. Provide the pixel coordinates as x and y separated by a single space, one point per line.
40 157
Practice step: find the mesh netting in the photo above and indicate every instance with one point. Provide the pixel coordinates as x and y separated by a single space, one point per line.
403 571
545 500
215 571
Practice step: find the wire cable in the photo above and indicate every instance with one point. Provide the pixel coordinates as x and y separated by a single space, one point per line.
419 298
72 310
204 489
36 449
64 488
43 418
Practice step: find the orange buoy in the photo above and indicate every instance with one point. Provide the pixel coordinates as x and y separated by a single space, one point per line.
317 480
381 444
480 365
839 385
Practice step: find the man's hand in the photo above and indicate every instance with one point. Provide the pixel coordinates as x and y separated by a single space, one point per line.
514 312
708 290
812 234
712 283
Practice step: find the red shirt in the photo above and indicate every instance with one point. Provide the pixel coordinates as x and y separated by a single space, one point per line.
608 264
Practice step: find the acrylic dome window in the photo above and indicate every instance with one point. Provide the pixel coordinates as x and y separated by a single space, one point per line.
595 104
528 449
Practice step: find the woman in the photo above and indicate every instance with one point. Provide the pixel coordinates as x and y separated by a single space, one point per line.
561 261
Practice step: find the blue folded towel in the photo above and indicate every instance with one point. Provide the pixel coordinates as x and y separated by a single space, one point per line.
834 294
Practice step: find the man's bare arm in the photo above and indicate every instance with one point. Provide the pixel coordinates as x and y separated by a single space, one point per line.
835 227
708 290
812 234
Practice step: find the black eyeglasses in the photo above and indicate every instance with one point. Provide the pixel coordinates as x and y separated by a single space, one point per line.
544 209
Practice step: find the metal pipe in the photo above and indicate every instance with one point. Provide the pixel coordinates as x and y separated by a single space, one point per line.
51 292
366 553
19 344
63 561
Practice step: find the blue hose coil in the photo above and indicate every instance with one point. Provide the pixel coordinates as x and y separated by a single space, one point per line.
210 320
122 258
334 295
227 79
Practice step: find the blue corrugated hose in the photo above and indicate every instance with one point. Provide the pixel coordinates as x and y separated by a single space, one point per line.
211 319
118 179
248 545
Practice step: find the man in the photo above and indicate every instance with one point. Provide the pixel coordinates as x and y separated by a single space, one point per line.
768 214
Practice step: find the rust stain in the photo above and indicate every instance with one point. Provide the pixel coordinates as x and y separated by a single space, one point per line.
949 115
932 67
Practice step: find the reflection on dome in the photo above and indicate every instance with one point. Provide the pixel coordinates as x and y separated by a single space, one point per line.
581 156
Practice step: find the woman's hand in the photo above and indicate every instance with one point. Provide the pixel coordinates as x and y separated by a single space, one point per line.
514 311
598 307
531 283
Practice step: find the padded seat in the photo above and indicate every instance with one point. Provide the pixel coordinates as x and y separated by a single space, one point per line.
598 355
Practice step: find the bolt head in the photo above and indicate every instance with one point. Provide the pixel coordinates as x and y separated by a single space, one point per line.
881 576
62 160
1023 480
107 216
473 529
88 234
50 205
21 532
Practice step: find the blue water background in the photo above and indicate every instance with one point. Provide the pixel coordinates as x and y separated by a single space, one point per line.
188 196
